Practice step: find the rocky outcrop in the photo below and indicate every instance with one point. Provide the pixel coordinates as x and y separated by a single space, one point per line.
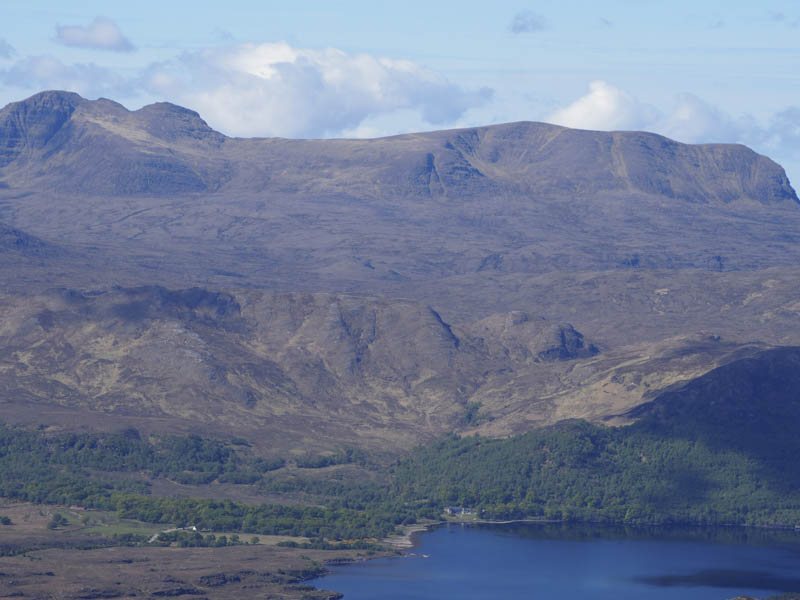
523 338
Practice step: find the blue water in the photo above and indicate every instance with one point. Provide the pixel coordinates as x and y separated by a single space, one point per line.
574 562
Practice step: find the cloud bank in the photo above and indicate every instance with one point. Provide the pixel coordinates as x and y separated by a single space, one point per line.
275 89
689 119
100 34
269 89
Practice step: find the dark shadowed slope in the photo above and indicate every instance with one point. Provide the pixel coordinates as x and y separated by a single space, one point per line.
746 403
749 406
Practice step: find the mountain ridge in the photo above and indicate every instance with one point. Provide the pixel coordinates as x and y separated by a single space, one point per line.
521 157
161 197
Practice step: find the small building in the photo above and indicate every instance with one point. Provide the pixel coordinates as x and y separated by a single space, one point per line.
457 511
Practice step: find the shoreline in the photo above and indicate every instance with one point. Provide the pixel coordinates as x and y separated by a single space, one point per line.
407 539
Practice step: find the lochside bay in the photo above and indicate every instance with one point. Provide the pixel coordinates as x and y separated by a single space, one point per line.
571 561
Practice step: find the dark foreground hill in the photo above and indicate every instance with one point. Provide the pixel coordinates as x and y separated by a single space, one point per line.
751 405
720 449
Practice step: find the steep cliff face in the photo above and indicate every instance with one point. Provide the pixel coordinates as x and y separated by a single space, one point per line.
31 125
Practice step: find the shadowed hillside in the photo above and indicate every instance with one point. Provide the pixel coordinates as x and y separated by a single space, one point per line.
721 448
750 405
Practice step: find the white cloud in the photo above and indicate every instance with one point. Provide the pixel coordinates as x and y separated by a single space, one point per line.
275 89
6 49
270 89
605 107
689 119
786 126
527 21
694 120
101 34
782 137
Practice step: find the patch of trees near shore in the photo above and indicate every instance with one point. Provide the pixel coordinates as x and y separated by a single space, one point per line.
647 473
79 469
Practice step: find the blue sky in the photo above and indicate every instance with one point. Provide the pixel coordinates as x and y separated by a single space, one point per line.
701 71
